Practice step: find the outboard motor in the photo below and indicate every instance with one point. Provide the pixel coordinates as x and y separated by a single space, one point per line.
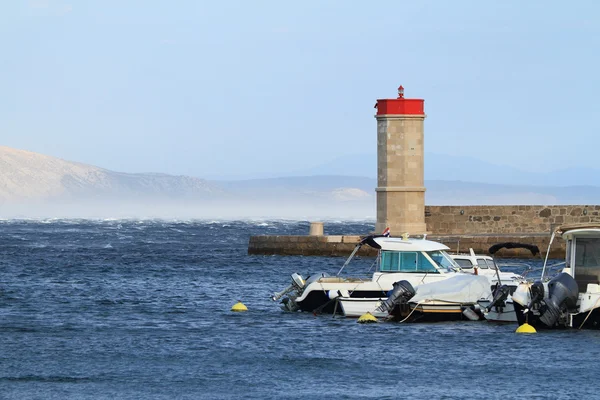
295 290
563 292
298 284
499 298
401 293
537 295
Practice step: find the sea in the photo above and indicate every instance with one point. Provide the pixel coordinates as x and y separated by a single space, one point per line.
140 309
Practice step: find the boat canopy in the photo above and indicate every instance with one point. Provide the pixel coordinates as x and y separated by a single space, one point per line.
459 289
512 245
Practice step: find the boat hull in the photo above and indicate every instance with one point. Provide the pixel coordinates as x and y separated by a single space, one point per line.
531 318
592 322
575 320
499 314
318 301
434 312
355 307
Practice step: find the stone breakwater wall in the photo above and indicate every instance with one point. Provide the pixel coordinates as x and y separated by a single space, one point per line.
458 227
343 245
489 220
307 245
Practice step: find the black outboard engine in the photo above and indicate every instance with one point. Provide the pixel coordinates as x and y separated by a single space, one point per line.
562 296
536 291
499 298
402 292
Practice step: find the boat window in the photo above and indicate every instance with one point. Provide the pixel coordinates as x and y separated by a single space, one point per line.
587 260
491 264
587 252
464 263
481 263
442 259
405 261
389 260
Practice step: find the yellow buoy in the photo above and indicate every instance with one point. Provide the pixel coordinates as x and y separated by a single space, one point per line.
526 328
366 318
239 306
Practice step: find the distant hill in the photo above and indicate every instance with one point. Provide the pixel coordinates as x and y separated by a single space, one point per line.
35 185
27 178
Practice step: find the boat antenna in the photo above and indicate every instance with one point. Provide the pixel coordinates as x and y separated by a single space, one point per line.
497 273
366 240
358 246
547 253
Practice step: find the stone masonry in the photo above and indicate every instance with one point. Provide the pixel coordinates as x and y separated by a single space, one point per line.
505 220
400 182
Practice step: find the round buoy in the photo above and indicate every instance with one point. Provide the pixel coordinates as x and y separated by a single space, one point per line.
526 328
239 306
366 318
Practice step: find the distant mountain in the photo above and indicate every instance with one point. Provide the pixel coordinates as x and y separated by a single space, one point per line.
468 169
35 185
31 176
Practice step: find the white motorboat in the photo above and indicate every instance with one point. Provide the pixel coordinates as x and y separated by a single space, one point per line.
445 300
572 298
497 305
417 261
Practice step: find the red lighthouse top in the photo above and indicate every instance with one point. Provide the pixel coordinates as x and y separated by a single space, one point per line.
400 105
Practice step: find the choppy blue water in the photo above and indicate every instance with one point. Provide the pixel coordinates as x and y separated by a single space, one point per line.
141 309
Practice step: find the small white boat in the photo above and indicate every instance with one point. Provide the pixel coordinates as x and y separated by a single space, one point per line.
503 312
496 305
414 260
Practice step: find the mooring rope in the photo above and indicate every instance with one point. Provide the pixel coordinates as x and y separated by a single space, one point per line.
590 312
413 310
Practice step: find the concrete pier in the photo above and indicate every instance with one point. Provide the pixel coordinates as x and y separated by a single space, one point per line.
343 245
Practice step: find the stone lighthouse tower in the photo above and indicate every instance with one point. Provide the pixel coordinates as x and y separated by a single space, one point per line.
400 177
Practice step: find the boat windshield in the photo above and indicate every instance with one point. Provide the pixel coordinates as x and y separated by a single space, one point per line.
406 261
442 259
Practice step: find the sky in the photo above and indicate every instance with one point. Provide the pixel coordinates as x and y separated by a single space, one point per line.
241 88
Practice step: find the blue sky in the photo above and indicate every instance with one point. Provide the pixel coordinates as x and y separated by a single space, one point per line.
242 87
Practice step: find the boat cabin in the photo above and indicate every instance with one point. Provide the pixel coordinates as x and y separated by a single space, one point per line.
414 256
467 262
583 253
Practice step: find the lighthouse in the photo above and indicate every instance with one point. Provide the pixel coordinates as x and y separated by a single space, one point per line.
400 173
